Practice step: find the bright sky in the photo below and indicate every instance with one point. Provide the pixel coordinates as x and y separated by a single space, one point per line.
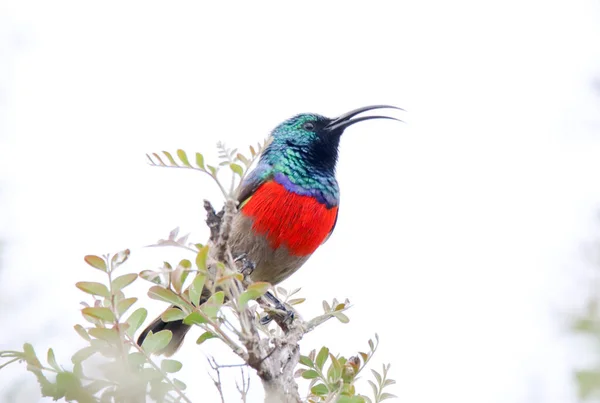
462 234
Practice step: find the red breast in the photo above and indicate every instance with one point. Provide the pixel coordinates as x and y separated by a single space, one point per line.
301 223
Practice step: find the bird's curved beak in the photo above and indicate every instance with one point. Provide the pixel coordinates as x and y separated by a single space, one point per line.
342 122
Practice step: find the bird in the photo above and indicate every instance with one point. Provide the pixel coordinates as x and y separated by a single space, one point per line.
287 205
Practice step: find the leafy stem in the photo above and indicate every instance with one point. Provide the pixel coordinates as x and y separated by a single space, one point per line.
115 311
165 376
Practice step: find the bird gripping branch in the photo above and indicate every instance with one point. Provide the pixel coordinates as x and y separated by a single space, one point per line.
288 205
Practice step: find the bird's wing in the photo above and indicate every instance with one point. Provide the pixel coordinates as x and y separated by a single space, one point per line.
257 177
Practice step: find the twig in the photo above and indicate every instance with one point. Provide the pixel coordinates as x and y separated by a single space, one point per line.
245 386
213 220
213 364
115 311
230 210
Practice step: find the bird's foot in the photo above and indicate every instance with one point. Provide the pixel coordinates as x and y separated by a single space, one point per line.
285 314
287 317
246 266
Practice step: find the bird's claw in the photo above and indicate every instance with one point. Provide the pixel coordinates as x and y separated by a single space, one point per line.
240 257
265 320
247 266
280 310
288 317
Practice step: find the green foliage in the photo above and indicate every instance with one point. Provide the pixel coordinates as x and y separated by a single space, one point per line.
336 380
254 291
588 324
126 371
217 299
238 164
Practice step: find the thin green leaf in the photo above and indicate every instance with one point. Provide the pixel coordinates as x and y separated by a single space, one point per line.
306 361
388 382
377 376
200 161
171 159
96 262
180 273
335 370
108 335
164 294
254 291
341 317
319 390
172 314
152 276
375 389
213 170
585 325
30 355
119 258
159 160
137 358
310 374
196 288
244 160
179 384
214 303
170 366
82 332
99 313
588 382
237 169
69 384
201 258
322 357
205 336
123 281
52 360
184 158
260 286
83 354
125 304
93 288
248 296
385 396
195 318
156 342
135 320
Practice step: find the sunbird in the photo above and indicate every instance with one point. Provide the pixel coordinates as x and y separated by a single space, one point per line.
288 204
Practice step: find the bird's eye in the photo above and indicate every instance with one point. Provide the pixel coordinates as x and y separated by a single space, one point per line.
310 126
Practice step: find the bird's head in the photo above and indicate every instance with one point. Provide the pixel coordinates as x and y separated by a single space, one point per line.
314 139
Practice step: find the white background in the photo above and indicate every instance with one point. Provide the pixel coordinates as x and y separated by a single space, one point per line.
464 235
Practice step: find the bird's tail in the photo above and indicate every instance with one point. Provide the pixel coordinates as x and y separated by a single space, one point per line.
177 328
